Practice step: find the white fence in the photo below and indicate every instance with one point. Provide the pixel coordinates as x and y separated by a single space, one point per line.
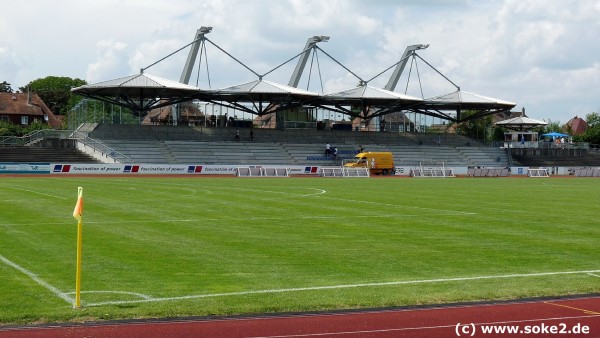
343 172
488 172
438 170
538 172
261 172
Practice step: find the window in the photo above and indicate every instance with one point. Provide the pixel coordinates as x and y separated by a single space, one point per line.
4 118
24 119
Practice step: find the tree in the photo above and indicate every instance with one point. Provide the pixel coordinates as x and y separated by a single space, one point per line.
56 92
5 87
476 128
498 133
550 127
592 119
592 133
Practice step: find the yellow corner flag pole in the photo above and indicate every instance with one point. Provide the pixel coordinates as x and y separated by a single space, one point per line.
78 214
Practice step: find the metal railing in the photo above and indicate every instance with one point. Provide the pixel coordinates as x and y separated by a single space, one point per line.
33 137
595 147
545 145
509 156
102 148
40 135
300 125
8 141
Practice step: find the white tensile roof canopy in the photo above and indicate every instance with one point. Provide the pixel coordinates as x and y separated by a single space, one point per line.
369 94
521 123
467 100
265 96
267 88
141 92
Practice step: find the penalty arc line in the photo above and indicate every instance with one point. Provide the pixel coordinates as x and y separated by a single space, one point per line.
140 295
342 286
38 280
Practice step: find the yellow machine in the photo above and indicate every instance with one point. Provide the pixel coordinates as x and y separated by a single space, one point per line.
379 163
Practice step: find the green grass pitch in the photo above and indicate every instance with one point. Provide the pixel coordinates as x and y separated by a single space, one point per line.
187 246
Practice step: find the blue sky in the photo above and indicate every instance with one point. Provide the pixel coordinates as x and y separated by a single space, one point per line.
543 55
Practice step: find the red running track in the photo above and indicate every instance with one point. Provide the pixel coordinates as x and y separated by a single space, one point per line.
574 317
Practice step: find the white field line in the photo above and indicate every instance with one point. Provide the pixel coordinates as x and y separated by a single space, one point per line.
37 192
419 328
593 274
218 188
140 295
38 280
226 220
437 211
358 202
319 192
342 286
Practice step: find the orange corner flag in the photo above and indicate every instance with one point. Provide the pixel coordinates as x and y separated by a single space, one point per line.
78 212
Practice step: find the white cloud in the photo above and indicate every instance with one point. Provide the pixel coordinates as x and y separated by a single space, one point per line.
149 54
110 60
540 53
8 64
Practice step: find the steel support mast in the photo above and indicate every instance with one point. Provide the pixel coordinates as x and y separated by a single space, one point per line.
189 66
393 81
295 79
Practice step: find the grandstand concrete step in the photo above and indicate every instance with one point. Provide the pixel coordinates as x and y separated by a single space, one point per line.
43 154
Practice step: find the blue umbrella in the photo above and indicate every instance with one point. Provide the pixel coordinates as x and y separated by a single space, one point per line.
555 134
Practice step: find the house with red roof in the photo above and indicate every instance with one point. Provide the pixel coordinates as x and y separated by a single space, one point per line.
25 108
575 126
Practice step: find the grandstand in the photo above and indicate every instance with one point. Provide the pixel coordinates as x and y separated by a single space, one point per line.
160 144
282 145
184 144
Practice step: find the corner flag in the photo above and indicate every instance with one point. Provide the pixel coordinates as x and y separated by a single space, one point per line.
78 212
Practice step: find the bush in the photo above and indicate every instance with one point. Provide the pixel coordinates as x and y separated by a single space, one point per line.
9 129
34 126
